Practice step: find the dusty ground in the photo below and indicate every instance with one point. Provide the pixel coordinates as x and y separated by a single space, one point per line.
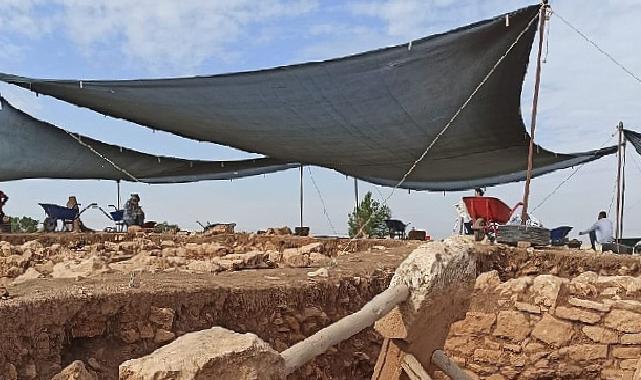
105 316
105 298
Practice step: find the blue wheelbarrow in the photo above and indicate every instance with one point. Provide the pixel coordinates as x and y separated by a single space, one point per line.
65 214
117 216
559 235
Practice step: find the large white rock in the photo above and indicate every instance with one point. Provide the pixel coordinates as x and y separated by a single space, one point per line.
215 353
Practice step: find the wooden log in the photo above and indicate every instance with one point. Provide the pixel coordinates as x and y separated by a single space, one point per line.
388 365
414 369
448 366
302 352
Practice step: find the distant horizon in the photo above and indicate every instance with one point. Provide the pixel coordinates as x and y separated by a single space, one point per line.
583 97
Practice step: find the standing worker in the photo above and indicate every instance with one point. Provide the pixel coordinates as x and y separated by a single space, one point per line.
3 201
601 231
133 214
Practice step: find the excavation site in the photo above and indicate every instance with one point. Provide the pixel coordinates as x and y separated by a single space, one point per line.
240 306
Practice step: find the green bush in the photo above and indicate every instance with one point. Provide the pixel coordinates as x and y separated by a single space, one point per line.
370 216
24 224
165 227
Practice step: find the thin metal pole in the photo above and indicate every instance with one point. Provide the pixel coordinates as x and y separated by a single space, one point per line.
118 185
356 194
535 102
622 188
618 216
301 196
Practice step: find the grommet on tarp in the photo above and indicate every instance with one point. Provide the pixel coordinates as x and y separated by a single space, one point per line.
507 21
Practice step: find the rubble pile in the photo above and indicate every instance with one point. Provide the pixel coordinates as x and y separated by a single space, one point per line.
32 259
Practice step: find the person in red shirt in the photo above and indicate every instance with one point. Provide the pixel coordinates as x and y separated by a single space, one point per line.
3 201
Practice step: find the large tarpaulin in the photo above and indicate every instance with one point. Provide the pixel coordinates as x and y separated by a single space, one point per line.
369 115
634 138
30 148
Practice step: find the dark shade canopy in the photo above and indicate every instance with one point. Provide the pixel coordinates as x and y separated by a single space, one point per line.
634 138
369 115
30 148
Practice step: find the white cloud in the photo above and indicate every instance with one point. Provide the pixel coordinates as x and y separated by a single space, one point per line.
156 34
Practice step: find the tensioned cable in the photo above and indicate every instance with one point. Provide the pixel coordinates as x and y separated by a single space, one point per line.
591 42
449 123
79 140
320 195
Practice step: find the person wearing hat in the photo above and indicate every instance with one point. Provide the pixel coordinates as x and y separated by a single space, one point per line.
133 214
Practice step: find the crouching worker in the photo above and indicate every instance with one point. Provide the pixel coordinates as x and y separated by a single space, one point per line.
600 232
133 214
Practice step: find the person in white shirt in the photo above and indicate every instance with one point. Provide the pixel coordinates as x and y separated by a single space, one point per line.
601 231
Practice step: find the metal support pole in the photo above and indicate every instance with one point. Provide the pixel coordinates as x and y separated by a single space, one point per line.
617 231
301 196
118 186
535 102
356 194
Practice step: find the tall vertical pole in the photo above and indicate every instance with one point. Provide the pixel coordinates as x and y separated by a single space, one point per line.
535 102
619 167
301 196
356 194
118 186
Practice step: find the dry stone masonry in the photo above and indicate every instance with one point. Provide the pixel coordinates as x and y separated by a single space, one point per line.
548 327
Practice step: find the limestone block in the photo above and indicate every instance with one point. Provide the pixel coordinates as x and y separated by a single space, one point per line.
474 324
585 352
214 353
624 321
546 289
626 352
577 314
527 308
552 331
631 339
29 274
487 281
601 335
75 371
512 324
589 304
294 258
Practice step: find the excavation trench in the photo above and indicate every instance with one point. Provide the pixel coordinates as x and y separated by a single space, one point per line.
108 318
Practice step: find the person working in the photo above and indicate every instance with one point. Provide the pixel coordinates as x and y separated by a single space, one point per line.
3 201
601 231
133 214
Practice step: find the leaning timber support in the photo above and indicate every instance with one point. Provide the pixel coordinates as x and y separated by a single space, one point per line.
301 353
448 366
426 294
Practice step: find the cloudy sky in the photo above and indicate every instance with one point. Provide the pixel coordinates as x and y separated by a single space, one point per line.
583 97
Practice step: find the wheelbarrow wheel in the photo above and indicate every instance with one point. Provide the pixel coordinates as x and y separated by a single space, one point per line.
50 224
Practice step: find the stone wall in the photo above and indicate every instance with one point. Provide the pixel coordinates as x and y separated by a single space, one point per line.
549 327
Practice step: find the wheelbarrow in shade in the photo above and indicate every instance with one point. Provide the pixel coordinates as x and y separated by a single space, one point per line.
489 208
60 212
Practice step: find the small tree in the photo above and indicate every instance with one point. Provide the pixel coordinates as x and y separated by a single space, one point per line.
370 216
166 227
24 224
